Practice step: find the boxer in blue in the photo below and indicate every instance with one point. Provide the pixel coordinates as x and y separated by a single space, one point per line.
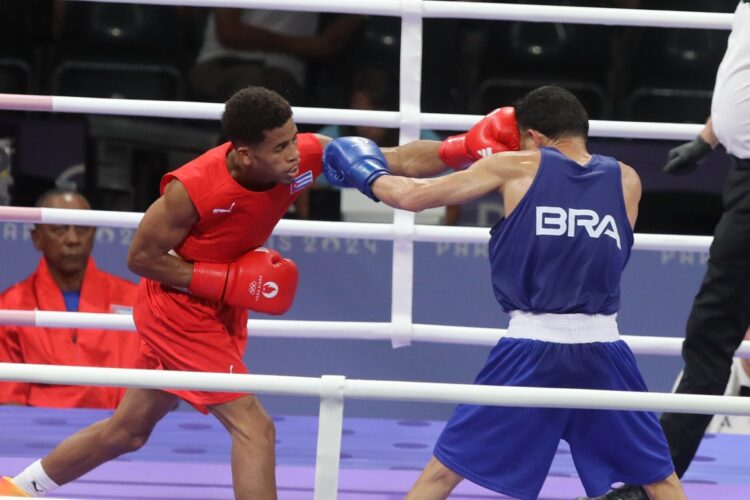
556 257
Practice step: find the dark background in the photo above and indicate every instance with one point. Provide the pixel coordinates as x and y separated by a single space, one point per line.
144 51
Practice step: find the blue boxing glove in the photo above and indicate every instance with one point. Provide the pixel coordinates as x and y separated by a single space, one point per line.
333 176
356 162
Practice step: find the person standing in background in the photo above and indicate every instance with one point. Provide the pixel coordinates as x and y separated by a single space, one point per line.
720 315
721 310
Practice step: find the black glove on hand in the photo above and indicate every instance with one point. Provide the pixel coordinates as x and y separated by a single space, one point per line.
684 158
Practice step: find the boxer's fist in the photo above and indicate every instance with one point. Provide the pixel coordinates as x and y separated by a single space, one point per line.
333 175
260 280
356 161
495 133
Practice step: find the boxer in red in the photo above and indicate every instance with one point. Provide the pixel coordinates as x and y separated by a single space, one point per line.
198 250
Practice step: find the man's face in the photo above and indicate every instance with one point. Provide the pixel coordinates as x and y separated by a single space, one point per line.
276 159
65 248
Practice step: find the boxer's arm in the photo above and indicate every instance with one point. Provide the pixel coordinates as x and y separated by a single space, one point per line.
164 225
415 159
484 176
323 140
496 132
631 190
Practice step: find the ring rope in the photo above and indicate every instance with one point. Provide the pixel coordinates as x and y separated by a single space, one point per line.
211 111
537 397
341 330
329 229
476 10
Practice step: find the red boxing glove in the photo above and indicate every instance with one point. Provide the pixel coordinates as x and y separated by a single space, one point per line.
260 280
495 133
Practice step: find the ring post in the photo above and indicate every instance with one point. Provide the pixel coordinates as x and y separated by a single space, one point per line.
330 425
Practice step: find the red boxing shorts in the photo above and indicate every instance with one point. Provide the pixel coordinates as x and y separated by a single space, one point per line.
182 332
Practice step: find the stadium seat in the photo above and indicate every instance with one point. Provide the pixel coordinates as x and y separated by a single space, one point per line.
114 79
15 76
120 50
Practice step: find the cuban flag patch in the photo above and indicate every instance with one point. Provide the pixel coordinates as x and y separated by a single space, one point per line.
302 181
120 309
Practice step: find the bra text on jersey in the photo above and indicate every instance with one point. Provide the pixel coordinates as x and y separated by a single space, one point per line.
556 221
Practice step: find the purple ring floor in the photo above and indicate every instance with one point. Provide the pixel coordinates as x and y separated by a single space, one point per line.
188 458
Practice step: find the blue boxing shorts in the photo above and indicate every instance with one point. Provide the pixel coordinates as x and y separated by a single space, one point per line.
510 449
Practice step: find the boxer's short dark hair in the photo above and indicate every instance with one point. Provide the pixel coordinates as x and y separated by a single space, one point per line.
553 111
250 112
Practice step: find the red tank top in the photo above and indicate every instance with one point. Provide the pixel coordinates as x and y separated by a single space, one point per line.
232 219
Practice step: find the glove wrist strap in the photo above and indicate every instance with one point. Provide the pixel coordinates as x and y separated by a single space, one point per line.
368 185
209 280
452 152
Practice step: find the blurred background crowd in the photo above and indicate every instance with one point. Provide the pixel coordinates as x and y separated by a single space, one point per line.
56 47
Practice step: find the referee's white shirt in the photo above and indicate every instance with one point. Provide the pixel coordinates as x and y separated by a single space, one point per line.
730 107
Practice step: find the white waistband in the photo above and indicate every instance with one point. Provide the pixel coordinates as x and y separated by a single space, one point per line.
563 328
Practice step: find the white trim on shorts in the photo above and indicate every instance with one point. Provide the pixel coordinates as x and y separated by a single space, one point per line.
563 328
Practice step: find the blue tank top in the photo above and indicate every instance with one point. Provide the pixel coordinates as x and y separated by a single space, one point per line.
564 247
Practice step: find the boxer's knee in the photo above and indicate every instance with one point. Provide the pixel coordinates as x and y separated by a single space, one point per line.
119 439
258 433
247 422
